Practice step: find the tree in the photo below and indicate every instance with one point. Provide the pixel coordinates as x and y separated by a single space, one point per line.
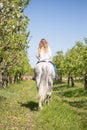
85 63
59 62
13 36
69 66
73 62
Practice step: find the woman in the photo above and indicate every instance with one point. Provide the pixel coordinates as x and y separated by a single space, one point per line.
44 51
44 54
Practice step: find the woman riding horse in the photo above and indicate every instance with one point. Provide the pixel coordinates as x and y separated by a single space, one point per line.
45 72
44 54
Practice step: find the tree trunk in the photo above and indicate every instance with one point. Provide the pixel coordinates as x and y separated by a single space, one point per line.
68 80
20 76
85 83
16 78
5 79
60 78
72 82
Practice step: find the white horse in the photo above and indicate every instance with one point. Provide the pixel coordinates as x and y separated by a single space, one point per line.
44 76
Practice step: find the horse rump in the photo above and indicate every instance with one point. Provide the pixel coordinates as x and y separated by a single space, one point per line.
44 76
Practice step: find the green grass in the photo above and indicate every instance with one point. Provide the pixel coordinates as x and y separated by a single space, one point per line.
66 111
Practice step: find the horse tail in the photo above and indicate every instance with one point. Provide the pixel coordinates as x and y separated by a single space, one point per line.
43 88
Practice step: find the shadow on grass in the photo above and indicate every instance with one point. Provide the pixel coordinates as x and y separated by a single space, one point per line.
82 111
33 106
2 98
59 87
84 120
79 104
75 93
58 82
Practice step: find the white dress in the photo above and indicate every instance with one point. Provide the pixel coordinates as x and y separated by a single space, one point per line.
44 56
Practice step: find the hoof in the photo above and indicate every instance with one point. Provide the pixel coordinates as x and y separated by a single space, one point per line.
39 108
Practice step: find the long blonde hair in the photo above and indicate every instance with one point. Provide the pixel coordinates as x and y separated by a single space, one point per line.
43 45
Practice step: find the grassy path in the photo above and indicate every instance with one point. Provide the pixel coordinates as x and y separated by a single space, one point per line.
67 109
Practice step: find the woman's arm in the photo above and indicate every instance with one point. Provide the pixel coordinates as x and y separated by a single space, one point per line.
37 55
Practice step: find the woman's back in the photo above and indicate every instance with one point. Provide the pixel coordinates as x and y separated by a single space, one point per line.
44 51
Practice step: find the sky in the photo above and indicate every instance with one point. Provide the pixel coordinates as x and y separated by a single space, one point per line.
61 22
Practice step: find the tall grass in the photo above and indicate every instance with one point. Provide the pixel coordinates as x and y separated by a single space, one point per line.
66 111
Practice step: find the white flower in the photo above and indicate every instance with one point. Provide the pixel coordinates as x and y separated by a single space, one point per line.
13 27
13 5
1 5
7 9
13 16
18 15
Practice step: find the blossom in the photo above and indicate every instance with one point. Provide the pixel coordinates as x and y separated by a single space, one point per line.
1 5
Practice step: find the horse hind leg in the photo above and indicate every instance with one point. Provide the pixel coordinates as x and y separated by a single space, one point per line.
38 80
40 104
41 99
49 92
48 99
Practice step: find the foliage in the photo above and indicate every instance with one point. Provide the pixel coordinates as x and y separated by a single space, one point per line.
74 62
13 37
59 61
